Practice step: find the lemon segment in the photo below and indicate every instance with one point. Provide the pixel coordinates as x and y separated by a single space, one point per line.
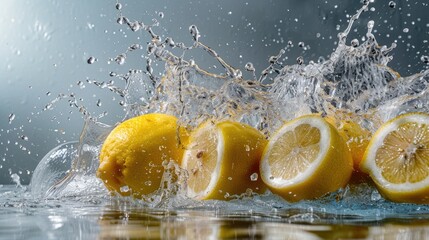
132 155
397 158
306 159
222 159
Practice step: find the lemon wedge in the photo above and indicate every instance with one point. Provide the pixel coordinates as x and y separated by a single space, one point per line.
397 158
305 159
222 159
132 155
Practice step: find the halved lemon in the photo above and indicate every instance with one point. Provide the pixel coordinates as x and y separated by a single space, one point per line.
306 159
222 159
356 137
397 158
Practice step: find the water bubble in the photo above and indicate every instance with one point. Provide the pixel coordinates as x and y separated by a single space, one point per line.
254 177
118 6
11 117
392 4
405 30
230 178
301 44
23 137
148 183
161 14
112 74
91 60
289 43
98 103
300 60
48 93
424 59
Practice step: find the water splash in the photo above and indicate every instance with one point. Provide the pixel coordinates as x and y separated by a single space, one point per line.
355 80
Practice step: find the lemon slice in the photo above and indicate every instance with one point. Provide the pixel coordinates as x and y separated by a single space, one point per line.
306 159
132 155
397 158
222 159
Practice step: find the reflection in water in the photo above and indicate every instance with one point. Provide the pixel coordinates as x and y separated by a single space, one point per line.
100 217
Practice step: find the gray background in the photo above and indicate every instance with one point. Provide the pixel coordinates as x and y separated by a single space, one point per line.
44 46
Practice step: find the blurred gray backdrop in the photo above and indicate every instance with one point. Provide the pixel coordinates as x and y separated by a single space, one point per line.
45 44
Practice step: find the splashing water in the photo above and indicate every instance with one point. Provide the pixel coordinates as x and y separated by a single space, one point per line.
355 80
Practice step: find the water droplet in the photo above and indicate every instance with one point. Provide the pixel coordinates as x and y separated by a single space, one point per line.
229 178
98 103
300 60
120 59
135 26
11 117
424 59
194 32
124 189
91 60
247 148
112 74
249 67
254 177
405 30
301 44
355 42
120 20
161 14
170 41
23 137
148 183
118 6
134 47
392 4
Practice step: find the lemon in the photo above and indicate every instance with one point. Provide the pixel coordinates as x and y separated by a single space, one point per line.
132 155
397 158
222 159
305 159
356 137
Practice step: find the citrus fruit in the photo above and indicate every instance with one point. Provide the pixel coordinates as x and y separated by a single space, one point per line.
222 159
397 158
132 155
356 137
305 159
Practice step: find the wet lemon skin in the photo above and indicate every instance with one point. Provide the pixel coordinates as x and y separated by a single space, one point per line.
133 153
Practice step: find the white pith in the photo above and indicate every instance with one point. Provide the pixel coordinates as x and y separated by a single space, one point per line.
376 142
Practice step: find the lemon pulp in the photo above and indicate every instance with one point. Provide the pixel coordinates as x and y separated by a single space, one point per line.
306 159
397 158
222 159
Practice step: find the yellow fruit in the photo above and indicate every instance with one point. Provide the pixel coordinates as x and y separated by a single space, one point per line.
132 155
306 159
397 158
356 137
222 159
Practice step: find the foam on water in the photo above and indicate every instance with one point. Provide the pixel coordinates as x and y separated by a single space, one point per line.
355 80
